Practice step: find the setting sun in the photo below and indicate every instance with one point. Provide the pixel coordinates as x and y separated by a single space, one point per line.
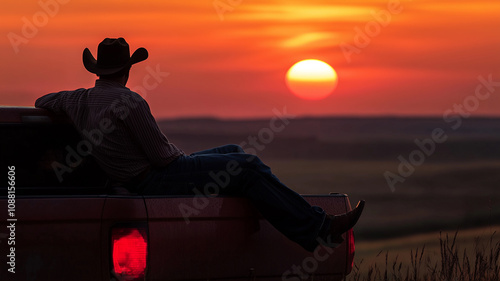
311 79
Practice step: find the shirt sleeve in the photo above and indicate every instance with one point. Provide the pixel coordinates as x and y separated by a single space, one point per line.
146 132
53 102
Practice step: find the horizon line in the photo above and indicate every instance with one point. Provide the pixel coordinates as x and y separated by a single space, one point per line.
309 116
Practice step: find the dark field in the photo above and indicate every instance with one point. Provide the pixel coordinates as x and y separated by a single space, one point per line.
454 185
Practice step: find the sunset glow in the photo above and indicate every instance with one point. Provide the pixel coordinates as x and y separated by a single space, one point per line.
393 57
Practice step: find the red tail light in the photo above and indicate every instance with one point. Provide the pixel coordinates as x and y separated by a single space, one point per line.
129 250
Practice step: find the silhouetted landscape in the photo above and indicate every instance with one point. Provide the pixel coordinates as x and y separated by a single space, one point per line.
344 138
455 187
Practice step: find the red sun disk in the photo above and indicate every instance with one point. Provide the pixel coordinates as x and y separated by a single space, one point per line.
311 90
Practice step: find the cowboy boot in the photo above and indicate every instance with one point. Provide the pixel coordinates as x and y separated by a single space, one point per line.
340 224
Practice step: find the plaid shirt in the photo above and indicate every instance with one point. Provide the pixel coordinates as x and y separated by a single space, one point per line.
118 127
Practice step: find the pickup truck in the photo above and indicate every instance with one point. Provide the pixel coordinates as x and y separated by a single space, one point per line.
61 220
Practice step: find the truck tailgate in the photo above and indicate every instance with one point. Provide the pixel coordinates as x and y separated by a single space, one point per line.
228 239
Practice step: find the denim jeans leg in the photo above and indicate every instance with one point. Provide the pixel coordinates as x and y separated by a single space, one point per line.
285 209
239 174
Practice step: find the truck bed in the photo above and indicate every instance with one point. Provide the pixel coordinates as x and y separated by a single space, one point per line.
68 238
73 226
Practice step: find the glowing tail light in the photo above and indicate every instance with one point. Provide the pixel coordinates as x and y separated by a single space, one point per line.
129 250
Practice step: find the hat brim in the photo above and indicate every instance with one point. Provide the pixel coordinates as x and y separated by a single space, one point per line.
90 62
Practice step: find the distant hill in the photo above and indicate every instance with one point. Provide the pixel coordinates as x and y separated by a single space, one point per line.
341 138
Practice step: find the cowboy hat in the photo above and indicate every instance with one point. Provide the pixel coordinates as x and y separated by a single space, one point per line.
113 55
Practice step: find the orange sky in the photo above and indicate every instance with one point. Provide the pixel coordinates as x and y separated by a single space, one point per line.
426 58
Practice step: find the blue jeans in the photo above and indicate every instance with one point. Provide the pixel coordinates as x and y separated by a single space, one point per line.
227 170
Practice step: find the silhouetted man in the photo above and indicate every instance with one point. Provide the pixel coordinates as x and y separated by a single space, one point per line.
134 153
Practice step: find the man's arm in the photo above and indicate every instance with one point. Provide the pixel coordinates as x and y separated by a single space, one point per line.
52 102
145 130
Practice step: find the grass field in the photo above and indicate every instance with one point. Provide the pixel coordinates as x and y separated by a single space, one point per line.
438 196
455 188
472 254
403 246
397 226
